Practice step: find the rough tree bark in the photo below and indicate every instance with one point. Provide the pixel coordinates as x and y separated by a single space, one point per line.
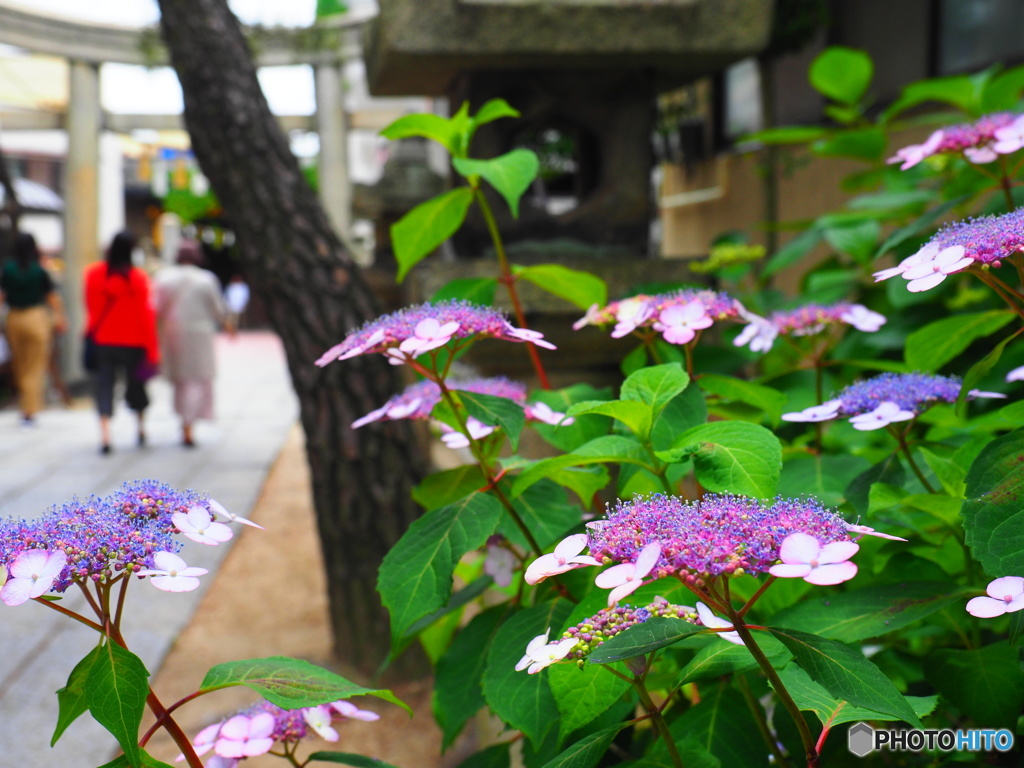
314 295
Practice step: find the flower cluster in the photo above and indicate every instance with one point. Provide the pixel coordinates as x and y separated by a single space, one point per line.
255 730
1005 595
982 141
678 315
98 539
887 399
760 333
579 641
986 240
413 331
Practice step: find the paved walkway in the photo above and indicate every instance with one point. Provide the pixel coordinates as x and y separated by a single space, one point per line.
59 459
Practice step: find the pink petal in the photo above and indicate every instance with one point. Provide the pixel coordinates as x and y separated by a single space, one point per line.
235 729
255 747
792 571
623 591
571 545
543 567
925 283
837 552
885 274
371 417
648 559
837 573
177 583
615 576
16 591
1005 586
261 726
168 561
799 548
985 607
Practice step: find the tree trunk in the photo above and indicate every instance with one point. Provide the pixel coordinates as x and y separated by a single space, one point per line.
314 295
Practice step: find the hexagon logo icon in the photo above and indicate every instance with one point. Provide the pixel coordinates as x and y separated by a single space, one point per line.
860 739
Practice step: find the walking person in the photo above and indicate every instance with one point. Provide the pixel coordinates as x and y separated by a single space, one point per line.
122 323
190 309
35 311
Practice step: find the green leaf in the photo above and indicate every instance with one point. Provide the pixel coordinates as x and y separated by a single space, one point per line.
449 486
718 659
635 415
496 411
657 632
858 241
116 686
793 251
842 74
478 290
980 370
931 347
718 731
522 700
889 470
959 91
924 222
986 683
655 385
869 612
72 698
616 449
993 513
545 510
457 692
511 174
731 457
583 694
458 600
289 683
426 226
434 127
496 756
824 477
347 758
790 134
148 761
588 751
416 575
810 696
582 289
729 388
846 674
683 412
492 110
864 144
583 481
568 437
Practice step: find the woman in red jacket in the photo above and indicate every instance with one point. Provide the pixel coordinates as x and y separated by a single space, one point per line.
122 322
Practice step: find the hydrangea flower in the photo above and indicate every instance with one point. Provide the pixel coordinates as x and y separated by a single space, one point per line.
709 620
804 557
31 574
807 320
540 653
716 535
609 622
566 557
414 330
979 142
986 240
172 574
1017 374
197 524
626 578
677 315
252 728
887 399
417 401
1005 595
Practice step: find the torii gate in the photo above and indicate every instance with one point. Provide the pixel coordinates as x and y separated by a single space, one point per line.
87 45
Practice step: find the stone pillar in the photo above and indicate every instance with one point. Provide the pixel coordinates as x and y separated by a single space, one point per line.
81 203
335 187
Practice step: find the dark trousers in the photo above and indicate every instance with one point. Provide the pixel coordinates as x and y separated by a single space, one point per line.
111 363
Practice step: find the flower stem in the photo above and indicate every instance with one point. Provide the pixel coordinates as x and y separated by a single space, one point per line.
70 614
658 720
509 281
762 723
753 598
901 438
780 690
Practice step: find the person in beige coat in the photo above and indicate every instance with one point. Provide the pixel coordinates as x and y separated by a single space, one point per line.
190 309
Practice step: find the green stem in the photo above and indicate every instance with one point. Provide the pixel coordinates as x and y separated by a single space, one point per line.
1007 184
488 471
901 438
780 690
753 598
658 720
510 282
762 723
70 614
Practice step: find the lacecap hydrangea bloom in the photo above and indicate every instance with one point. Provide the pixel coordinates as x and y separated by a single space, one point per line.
983 141
254 731
887 399
985 241
99 539
677 315
413 331
417 401
809 320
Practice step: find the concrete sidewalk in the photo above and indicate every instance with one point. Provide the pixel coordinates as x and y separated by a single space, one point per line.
59 459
